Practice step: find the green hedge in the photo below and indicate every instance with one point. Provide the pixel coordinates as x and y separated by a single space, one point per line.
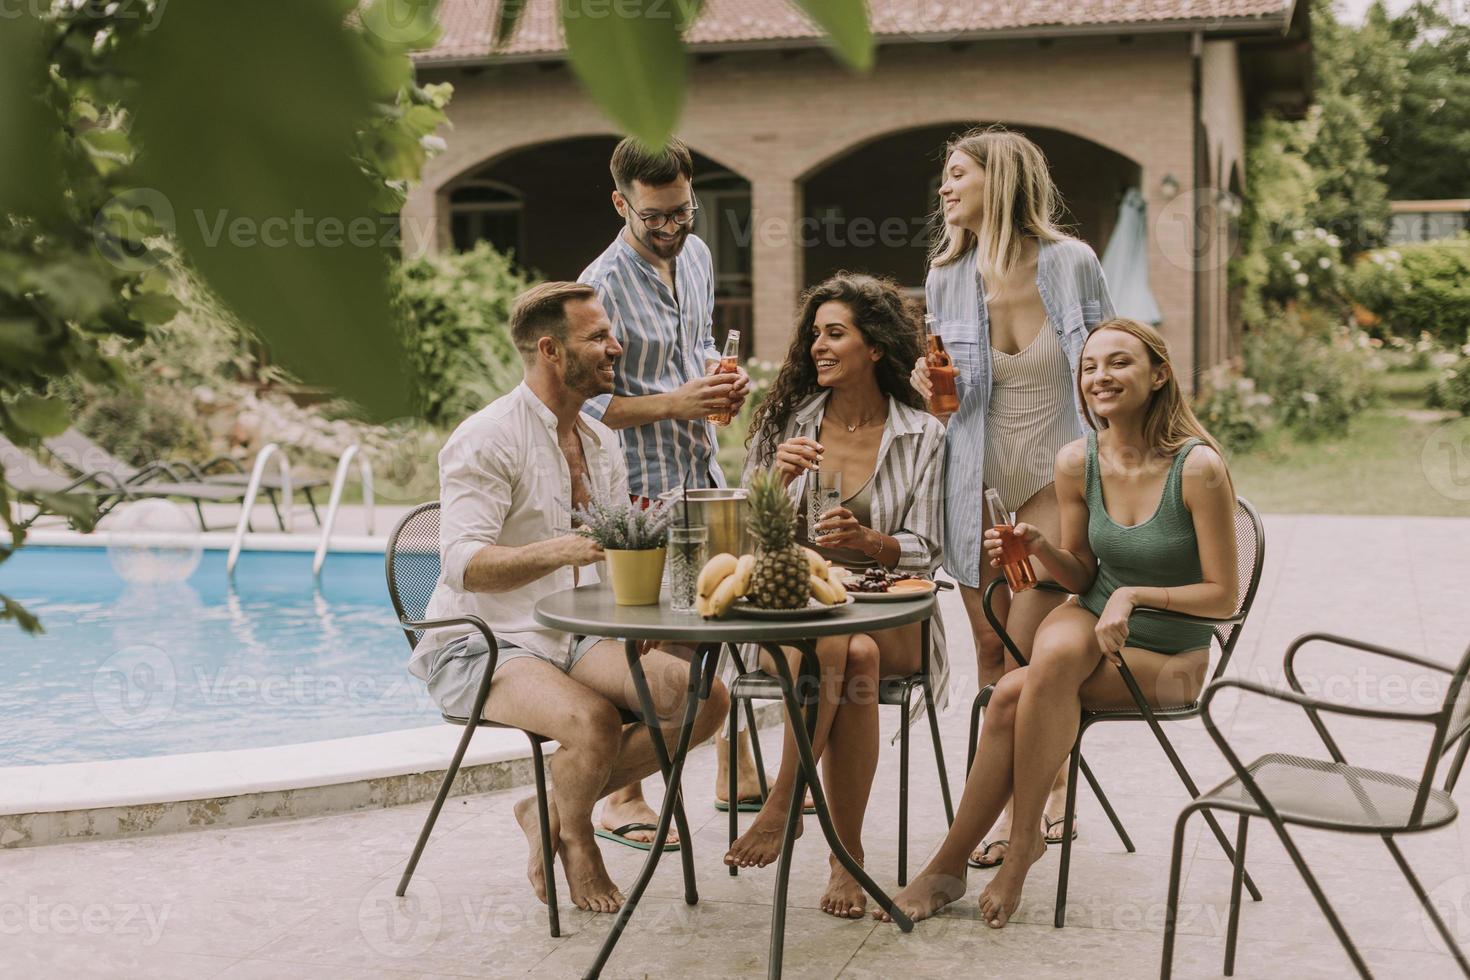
453 310
1416 289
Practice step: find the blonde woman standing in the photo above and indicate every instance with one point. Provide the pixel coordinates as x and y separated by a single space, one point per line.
1015 298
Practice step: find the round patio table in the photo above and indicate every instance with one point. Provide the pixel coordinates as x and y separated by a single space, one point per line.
590 610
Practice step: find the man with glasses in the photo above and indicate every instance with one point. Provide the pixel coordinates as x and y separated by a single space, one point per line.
657 282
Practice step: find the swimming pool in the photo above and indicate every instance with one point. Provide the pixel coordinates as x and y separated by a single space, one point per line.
127 670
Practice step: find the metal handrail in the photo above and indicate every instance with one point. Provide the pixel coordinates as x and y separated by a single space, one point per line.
339 483
257 472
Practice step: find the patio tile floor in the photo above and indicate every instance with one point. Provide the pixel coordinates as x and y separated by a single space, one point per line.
313 897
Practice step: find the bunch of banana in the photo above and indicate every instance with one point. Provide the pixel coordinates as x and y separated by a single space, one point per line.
826 587
723 579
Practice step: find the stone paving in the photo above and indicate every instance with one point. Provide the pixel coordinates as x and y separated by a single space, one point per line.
313 898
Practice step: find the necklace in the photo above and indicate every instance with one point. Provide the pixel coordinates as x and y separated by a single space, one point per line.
860 423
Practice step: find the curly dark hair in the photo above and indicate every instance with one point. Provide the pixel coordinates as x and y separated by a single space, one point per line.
887 321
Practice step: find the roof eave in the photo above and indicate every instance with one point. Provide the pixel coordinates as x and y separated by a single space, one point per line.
1219 28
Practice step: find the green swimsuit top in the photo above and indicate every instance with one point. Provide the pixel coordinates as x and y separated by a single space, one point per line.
1161 552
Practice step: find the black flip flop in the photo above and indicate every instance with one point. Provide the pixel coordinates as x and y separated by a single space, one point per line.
985 847
752 804
620 836
1059 821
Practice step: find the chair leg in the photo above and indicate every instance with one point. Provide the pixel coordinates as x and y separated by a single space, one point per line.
1453 776
938 752
311 501
732 780
1069 816
1439 924
903 794
1107 805
1171 910
976 710
444 787
548 867
1321 897
1237 875
755 749
276 506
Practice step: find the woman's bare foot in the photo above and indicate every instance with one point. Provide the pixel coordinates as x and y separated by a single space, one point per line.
525 812
1054 810
587 878
747 781
931 891
761 842
622 813
1000 898
844 897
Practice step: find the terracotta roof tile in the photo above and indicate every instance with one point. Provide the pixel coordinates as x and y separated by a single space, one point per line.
468 24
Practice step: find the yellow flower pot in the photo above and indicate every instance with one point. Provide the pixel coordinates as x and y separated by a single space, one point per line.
637 576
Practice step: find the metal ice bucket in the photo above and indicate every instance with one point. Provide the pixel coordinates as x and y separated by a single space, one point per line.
722 510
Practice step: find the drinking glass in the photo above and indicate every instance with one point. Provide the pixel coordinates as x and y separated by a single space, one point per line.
826 494
686 557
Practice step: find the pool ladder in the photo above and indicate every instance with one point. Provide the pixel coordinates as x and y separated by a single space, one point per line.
257 474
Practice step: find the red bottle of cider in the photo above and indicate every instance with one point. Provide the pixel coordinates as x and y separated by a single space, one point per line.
1020 576
943 398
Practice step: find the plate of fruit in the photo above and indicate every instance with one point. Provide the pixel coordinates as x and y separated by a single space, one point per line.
781 580
881 585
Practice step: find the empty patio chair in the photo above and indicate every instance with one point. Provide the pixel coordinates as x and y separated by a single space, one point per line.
80 454
412 571
1250 549
1331 794
757 685
33 478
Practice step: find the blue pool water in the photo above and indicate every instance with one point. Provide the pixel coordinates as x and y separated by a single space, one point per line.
128 670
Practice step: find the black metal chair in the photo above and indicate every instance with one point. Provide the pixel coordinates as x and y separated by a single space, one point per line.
1250 545
757 685
1330 794
412 567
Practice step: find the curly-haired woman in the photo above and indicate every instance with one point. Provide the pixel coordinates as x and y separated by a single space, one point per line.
842 403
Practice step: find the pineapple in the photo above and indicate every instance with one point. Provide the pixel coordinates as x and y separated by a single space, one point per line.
781 577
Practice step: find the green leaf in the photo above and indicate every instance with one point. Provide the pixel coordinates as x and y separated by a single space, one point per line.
506 20
630 59
10 609
43 417
846 25
81 509
246 119
153 308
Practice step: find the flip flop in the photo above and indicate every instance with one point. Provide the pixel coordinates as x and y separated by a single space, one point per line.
751 804
620 836
985 847
1056 838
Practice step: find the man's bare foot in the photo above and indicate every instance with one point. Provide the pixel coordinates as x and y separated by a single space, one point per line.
747 781
931 891
761 842
844 897
622 813
1000 898
587 879
525 812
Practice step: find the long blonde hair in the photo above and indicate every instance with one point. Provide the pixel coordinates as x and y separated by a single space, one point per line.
1169 421
1020 200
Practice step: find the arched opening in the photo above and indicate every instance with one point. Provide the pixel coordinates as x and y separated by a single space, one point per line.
870 209
551 204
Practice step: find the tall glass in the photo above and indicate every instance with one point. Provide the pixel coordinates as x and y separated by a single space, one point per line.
826 494
687 545
944 398
1020 576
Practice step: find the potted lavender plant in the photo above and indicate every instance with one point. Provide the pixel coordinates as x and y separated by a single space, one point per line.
633 539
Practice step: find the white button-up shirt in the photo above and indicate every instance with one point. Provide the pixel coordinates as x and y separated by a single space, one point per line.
504 480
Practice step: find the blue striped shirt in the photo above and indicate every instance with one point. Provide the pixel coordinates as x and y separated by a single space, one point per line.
666 341
1070 280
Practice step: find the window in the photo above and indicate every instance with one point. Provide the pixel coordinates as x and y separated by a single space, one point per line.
723 222
485 210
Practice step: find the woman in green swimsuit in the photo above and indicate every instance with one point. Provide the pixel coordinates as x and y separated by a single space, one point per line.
1147 511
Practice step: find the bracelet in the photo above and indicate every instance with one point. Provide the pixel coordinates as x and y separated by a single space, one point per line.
878 551
1166 598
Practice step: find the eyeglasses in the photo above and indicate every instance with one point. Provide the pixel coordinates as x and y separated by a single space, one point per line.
654 220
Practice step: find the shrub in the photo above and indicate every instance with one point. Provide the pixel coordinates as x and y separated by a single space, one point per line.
1318 377
1417 289
453 310
1452 389
1232 409
1304 268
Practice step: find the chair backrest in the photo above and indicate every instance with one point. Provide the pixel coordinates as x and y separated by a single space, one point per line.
81 455
1250 555
412 564
27 473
